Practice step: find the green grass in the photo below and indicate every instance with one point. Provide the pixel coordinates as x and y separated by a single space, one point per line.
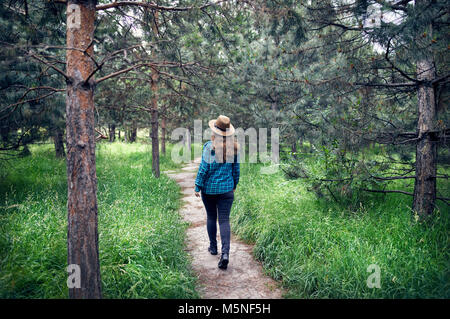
316 248
141 235
319 249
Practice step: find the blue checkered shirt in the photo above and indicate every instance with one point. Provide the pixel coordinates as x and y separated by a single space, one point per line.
213 177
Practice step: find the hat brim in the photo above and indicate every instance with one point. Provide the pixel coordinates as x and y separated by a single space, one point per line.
228 132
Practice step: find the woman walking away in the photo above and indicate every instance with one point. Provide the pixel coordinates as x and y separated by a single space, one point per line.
217 178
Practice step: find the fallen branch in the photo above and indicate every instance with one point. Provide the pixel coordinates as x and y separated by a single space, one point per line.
444 199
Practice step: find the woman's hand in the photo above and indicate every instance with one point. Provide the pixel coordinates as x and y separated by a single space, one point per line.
197 194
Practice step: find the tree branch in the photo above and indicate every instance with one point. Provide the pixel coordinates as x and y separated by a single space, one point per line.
388 85
48 64
151 5
386 56
109 76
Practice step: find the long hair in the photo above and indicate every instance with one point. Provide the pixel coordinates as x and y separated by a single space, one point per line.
226 147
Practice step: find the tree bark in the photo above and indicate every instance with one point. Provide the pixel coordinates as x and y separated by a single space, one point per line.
112 132
426 148
133 133
58 140
294 149
154 130
154 87
82 237
4 132
163 135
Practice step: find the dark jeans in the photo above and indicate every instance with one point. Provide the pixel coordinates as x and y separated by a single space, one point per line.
218 205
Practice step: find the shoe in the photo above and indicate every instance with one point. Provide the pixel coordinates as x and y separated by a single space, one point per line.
223 262
212 250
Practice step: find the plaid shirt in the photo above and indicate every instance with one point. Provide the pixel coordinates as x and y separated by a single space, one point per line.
213 177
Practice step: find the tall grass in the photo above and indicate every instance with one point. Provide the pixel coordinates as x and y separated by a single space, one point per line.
141 235
319 249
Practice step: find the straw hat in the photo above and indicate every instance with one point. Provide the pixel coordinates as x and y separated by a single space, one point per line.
222 126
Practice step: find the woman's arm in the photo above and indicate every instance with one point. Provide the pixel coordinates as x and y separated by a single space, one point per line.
202 171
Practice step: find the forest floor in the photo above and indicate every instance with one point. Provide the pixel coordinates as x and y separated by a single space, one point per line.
244 277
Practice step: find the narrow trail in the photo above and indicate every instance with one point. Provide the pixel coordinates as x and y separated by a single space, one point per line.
244 278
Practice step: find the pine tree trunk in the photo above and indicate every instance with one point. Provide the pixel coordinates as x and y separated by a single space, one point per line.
163 135
426 149
154 132
112 133
294 149
4 132
133 133
82 238
58 140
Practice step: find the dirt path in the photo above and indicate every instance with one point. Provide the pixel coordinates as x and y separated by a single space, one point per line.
244 278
